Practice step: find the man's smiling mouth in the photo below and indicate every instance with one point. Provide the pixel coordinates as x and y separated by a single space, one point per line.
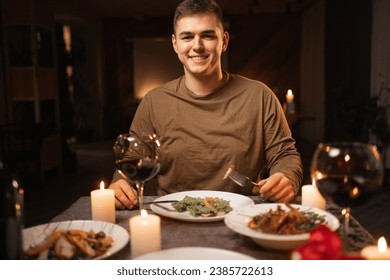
198 58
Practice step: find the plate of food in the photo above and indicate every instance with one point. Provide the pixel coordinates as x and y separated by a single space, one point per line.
194 253
279 226
79 239
200 206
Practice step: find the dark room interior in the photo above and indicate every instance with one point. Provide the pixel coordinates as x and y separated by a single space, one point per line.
72 74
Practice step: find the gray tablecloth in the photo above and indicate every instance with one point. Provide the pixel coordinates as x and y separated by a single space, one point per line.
215 234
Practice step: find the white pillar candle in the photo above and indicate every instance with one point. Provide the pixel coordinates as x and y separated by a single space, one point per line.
312 197
379 252
103 204
145 233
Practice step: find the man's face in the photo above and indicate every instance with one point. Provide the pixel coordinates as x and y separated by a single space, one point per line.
199 42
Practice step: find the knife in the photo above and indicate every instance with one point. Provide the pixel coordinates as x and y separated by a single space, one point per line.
160 201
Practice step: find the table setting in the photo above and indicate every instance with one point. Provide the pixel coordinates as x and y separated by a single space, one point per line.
211 224
178 235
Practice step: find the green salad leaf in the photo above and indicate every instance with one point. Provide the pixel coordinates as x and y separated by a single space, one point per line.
206 207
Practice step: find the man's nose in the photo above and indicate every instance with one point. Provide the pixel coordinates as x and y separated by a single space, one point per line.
198 44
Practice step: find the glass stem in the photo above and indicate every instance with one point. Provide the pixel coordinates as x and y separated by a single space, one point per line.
140 190
346 212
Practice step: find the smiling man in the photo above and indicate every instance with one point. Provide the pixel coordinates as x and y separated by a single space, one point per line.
199 42
208 119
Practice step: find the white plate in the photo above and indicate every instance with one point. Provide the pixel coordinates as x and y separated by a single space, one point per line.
236 201
238 219
194 253
35 235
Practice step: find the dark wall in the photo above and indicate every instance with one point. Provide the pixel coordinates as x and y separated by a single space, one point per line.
118 65
266 47
3 89
347 68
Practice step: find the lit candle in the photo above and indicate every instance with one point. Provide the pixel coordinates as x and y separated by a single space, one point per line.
312 197
103 204
290 106
379 252
290 96
145 233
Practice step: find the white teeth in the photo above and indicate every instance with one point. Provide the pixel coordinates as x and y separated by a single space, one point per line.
198 58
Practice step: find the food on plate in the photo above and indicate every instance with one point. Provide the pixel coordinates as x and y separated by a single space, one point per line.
71 244
281 221
203 207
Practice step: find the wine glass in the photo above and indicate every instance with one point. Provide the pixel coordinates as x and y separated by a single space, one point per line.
136 159
346 174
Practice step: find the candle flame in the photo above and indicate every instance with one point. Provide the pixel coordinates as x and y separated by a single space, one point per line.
289 92
144 213
382 245
355 192
102 185
318 175
15 184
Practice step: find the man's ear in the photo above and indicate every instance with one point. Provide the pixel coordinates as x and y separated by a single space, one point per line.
174 43
225 41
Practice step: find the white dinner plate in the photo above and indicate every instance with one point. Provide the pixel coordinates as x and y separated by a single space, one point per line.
236 201
238 220
194 253
38 234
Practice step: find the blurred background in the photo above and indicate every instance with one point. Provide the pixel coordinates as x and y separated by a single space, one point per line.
72 74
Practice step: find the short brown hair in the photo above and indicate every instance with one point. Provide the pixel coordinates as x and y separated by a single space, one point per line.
192 7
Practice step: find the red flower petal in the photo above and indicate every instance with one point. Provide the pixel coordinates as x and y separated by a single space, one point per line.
323 244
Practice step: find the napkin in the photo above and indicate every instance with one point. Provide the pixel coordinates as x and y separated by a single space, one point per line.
323 244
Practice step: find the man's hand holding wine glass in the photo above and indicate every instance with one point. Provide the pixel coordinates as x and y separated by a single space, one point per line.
125 195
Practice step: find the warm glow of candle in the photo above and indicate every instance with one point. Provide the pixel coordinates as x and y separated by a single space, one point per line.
312 197
382 245
379 252
290 106
144 213
103 204
290 96
145 233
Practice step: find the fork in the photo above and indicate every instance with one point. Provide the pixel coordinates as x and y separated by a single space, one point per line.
239 178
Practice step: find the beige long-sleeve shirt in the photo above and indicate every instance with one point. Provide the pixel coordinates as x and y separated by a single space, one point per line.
242 124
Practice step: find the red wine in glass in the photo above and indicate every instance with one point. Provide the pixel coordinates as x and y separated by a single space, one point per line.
138 170
136 159
346 174
348 191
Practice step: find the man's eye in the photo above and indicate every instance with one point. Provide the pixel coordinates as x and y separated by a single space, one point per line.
186 38
209 36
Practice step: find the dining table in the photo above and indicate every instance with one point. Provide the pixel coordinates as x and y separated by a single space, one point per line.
176 233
